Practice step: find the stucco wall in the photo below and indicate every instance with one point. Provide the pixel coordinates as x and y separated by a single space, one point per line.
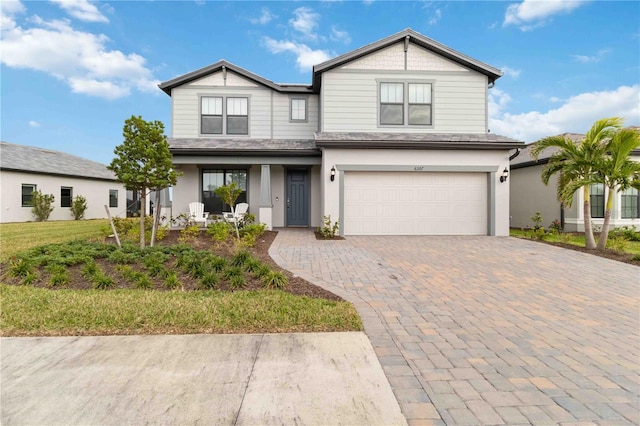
529 195
95 191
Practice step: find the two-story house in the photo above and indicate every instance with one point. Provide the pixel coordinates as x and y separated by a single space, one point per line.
391 138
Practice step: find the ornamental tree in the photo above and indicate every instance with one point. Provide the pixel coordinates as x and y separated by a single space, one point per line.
143 161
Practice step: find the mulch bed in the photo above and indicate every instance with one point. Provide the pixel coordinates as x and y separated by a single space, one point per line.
260 250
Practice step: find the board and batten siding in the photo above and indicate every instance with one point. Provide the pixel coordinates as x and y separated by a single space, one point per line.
350 101
265 122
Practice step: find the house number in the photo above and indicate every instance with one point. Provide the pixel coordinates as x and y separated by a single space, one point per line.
418 168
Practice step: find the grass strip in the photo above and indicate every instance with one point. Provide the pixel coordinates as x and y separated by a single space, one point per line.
632 247
17 237
28 311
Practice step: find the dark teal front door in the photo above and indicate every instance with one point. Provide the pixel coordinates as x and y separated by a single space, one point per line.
298 197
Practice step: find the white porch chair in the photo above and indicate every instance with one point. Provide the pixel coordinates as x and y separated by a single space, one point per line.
197 213
238 214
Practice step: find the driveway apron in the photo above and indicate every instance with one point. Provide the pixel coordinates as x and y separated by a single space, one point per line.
487 330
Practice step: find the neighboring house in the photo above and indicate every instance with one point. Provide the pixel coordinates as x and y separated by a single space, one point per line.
529 195
24 169
391 138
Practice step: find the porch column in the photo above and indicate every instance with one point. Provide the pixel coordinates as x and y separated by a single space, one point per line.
266 206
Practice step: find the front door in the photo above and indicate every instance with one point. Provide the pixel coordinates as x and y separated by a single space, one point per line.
298 197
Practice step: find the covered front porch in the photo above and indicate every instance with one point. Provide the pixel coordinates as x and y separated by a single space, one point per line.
281 191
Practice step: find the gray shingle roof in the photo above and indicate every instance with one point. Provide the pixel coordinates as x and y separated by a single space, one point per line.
417 140
244 146
46 161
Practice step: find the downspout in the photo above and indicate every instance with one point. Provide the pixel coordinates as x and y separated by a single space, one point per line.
515 154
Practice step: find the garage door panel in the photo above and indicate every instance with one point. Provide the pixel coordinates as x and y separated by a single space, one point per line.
410 203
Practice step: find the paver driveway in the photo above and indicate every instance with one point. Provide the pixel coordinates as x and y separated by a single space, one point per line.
486 330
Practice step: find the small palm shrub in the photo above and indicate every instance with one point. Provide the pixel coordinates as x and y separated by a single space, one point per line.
328 230
42 205
78 207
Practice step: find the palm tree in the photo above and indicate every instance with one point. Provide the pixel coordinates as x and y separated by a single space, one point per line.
618 172
577 165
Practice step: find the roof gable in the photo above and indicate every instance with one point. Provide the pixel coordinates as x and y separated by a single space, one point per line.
45 161
223 66
408 36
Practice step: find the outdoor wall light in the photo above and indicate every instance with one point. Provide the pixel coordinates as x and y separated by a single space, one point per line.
333 173
505 175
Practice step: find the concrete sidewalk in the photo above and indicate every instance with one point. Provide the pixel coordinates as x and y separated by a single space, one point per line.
306 378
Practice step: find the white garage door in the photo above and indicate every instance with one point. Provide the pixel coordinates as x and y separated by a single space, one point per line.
418 203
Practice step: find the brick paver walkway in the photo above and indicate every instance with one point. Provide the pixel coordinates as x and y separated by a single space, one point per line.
486 330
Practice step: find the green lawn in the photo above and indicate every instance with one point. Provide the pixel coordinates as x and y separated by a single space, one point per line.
632 247
17 237
28 311
36 311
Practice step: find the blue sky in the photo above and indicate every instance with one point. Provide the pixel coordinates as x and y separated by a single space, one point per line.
73 71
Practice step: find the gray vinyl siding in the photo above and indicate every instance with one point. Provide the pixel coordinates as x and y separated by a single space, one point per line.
349 101
186 109
186 112
283 128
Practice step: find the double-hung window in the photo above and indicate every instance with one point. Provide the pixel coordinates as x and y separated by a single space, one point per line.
405 104
113 198
298 110
66 195
27 194
597 200
630 200
224 115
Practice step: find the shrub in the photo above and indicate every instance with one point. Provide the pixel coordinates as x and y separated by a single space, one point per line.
171 281
78 207
237 281
20 268
617 243
262 271
538 232
122 257
251 232
89 269
143 281
629 233
240 258
555 226
328 230
219 231
232 271
102 281
129 229
42 205
209 280
189 234
252 265
275 279
30 278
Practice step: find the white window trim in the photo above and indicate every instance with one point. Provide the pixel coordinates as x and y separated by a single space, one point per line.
306 109
405 107
224 115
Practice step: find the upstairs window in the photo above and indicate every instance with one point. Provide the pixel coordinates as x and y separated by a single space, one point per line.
405 104
298 109
224 115
66 195
27 194
392 103
237 116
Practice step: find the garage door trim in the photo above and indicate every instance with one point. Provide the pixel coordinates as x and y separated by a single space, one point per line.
418 168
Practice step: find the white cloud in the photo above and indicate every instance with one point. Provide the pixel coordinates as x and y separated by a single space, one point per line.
576 114
531 14
81 9
367 2
34 123
264 18
435 18
341 36
306 57
555 99
510 72
80 59
306 22
585 59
